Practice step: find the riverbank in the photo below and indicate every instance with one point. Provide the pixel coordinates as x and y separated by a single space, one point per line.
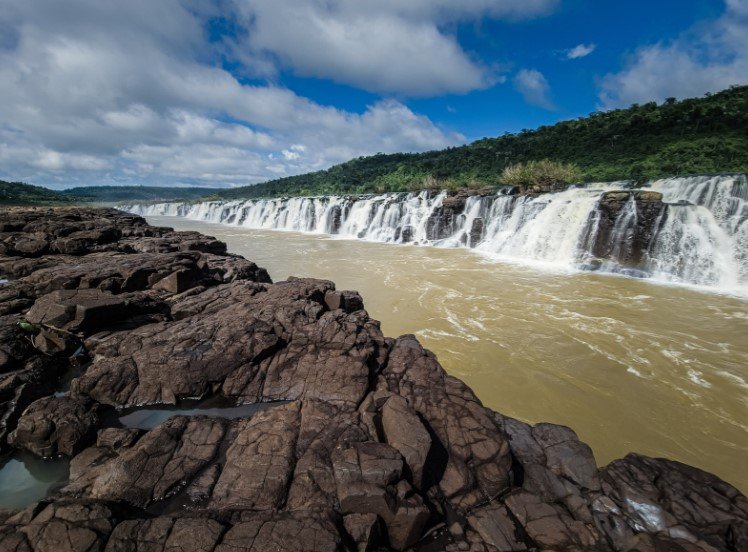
376 445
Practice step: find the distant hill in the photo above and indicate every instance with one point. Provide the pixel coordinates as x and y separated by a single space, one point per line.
694 136
108 194
17 193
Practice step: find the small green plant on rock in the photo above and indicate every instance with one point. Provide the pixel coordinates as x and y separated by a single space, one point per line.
541 176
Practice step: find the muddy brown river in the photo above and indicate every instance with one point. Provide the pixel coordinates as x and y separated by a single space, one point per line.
629 364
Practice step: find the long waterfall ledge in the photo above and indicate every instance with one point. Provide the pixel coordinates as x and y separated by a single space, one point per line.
376 447
689 230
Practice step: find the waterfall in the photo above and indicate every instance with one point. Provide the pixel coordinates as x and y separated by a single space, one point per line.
548 228
698 236
704 238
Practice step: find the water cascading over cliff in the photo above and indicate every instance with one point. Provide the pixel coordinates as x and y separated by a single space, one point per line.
690 230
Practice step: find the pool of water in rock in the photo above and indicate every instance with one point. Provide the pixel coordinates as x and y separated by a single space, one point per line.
631 365
150 417
25 478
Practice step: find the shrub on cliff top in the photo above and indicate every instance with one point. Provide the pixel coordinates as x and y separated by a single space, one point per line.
544 173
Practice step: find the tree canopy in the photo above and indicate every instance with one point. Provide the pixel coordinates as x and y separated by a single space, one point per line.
694 136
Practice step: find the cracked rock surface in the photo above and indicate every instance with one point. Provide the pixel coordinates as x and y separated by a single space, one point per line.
368 443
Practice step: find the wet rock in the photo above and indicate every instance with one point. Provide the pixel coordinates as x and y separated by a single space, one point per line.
627 223
442 223
114 438
567 456
405 525
54 426
88 310
476 232
14 345
84 241
548 526
324 428
407 234
538 189
673 502
368 479
15 243
230 268
334 219
255 344
30 375
51 342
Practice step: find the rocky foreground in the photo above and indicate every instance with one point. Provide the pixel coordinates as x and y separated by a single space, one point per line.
371 445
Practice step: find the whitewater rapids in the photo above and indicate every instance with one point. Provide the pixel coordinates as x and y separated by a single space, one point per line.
702 239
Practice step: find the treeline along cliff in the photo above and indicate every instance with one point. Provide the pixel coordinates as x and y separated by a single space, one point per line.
693 136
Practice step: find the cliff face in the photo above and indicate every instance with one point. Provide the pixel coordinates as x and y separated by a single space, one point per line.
371 447
624 227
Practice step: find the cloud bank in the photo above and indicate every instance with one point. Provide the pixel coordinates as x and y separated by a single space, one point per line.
123 92
388 46
710 57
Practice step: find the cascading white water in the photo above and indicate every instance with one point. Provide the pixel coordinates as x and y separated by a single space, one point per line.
704 238
701 238
548 228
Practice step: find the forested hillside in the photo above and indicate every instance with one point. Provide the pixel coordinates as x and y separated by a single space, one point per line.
135 193
17 193
694 136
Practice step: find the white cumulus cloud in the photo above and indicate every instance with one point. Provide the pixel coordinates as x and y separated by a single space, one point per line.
707 58
387 46
133 92
580 51
534 88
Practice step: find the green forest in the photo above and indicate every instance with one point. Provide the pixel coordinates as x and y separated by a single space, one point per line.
18 193
694 136
136 193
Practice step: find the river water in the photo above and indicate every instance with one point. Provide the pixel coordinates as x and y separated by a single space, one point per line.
630 364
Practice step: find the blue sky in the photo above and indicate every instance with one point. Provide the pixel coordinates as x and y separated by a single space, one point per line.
233 92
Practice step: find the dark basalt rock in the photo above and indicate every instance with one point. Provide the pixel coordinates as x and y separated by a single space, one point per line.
55 426
476 232
377 447
349 301
627 250
26 374
146 470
